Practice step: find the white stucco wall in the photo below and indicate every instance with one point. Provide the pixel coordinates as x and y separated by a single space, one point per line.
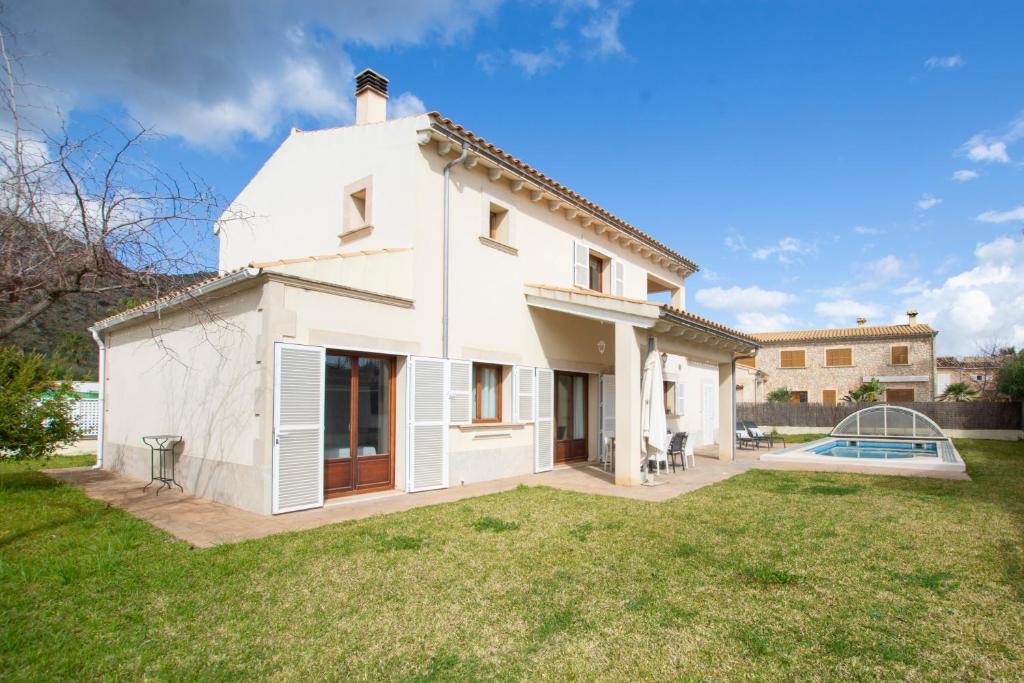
199 374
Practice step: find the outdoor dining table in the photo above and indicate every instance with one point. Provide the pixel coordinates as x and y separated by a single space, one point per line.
161 460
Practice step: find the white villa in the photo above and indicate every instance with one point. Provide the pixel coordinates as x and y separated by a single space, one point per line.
409 307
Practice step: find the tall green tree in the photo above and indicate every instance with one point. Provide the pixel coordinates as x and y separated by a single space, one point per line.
1011 378
35 406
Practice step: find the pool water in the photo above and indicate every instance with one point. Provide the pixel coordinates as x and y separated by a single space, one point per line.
879 450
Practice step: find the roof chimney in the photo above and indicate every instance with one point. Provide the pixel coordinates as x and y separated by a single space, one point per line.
861 322
371 97
911 317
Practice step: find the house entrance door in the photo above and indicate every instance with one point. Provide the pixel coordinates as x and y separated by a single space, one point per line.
570 417
359 423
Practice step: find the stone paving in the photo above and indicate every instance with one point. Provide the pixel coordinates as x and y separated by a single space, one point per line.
204 523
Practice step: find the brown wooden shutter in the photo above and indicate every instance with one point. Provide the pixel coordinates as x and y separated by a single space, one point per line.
838 357
901 355
899 395
792 359
828 397
747 362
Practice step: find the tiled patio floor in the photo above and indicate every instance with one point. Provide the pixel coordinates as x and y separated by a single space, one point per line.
204 523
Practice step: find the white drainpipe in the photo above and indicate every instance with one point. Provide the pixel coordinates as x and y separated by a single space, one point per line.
447 257
102 377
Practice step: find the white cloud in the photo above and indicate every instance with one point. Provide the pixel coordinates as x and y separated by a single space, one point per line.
743 298
866 230
1016 214
950 62
213 72
786 250
845 312
603 31
734 241
963 175
978 149
405 104
927 201
886 268
983 303
534 62
755 321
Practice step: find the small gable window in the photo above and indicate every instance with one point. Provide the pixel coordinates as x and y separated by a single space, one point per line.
900 355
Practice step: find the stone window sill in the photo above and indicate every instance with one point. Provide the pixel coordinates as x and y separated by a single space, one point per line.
500 246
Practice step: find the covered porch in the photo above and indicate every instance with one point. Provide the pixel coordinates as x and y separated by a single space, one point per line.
697 355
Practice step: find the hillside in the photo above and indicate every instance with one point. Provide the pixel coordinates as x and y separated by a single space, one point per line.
63 329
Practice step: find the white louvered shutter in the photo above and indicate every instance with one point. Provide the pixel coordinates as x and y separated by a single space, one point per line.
460 391
428 424
618 278
680 398
298 453
607 408
544 427
524 381
580 264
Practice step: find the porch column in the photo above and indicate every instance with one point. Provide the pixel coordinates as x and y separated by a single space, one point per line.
726 415
628 407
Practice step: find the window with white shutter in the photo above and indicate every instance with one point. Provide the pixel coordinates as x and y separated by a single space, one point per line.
428 424
618 278
523 381
581 265
544 457
680 398
460 391
298 450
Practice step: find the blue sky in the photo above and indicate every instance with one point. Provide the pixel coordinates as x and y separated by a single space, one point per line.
820 161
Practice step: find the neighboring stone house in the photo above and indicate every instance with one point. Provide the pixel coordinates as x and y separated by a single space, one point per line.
822 366
981 372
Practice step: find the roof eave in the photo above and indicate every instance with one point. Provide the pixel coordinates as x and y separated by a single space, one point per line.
437 125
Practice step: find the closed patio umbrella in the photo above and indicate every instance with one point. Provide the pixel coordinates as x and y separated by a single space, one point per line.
652 418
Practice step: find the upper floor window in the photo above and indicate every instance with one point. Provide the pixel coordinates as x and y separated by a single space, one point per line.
486 393
793 358
498 224
358 210
837 358
596 272
900 355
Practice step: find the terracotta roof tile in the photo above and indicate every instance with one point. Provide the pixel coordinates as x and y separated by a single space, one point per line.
838 333
712 324
562 189
170 295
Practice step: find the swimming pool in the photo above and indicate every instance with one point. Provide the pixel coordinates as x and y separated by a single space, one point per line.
878 450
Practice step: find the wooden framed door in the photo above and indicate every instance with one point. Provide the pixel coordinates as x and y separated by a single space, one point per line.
359 423
570 417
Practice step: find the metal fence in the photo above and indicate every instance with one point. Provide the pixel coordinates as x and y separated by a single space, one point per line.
952 415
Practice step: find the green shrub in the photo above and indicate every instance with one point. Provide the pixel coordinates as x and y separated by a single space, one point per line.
35 406
780 395
1011 378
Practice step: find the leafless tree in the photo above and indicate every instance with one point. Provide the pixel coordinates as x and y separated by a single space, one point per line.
991 356
83 214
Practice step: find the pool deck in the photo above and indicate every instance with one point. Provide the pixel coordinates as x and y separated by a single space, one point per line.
948 465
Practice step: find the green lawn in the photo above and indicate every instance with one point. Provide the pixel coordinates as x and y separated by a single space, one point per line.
769 575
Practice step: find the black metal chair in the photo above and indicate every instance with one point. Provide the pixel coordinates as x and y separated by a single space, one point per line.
677 446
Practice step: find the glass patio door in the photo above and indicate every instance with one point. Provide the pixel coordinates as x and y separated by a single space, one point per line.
358 423
570 417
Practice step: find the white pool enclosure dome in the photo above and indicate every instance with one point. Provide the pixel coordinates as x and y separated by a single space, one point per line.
888 421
